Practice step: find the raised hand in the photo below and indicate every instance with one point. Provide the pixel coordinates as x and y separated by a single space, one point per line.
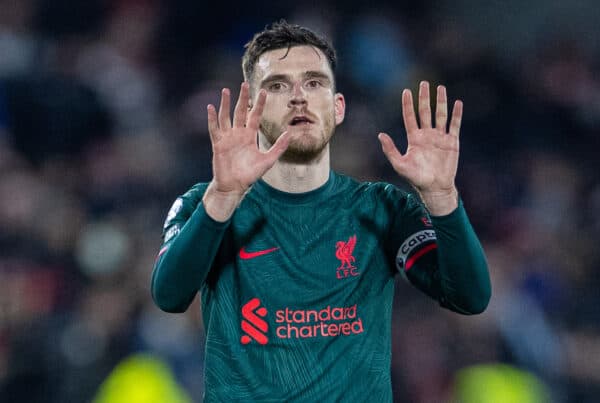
237 161
431 158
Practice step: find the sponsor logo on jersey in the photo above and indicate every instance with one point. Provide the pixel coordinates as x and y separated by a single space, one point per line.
253 323
344 251
414 247
244 254
329 321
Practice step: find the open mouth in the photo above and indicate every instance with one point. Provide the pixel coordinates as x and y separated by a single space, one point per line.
300 120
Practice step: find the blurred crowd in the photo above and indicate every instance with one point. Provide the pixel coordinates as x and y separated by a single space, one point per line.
103 124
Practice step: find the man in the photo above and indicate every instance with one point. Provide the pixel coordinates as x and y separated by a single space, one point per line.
296 263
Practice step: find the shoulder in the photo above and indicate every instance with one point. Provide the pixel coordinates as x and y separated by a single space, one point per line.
196 191
191 197
376 191
376 195
185 204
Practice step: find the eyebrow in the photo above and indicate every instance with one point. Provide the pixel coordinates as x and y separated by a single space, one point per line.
275 77
285 77
316 74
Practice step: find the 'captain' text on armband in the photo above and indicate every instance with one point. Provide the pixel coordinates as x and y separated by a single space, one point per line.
412 245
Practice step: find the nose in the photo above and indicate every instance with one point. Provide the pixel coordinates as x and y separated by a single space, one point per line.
298 96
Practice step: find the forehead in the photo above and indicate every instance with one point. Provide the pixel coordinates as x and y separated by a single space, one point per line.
297 61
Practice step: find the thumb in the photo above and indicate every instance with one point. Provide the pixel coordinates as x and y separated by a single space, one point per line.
392 153
276 150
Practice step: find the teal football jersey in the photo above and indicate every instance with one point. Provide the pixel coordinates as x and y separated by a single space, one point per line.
297 289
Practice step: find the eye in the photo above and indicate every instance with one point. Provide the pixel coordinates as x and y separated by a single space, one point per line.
313 84
276 86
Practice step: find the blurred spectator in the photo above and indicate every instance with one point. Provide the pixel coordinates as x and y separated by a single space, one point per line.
17 41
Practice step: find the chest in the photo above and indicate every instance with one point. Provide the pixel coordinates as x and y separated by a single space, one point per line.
302 256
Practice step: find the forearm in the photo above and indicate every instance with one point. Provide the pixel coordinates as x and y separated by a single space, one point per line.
185 261
463 272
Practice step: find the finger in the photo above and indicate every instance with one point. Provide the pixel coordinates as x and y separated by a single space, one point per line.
408 112
424 105
213 126
241 108
441 109
391 152
456 118
224 114
276 150
257 110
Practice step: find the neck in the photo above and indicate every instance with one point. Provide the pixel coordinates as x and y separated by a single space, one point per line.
299 177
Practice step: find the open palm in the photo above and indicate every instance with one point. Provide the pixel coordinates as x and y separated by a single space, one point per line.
431 158
237 161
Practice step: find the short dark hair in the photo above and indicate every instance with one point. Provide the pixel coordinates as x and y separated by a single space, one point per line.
281 35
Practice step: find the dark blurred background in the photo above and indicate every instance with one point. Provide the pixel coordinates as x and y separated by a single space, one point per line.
103 125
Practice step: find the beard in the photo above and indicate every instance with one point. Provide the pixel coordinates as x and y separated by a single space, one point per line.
305 149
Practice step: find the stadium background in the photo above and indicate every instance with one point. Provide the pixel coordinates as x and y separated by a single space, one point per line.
103 123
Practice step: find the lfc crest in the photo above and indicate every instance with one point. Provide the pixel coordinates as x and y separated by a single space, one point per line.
343 251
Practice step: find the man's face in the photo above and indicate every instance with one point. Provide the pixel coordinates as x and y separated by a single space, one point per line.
300 100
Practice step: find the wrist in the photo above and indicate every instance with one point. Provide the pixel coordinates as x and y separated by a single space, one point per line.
220 205
440 203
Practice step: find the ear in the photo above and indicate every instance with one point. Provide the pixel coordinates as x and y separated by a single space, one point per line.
340 108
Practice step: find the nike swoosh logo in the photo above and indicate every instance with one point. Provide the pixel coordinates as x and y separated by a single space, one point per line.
251 255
